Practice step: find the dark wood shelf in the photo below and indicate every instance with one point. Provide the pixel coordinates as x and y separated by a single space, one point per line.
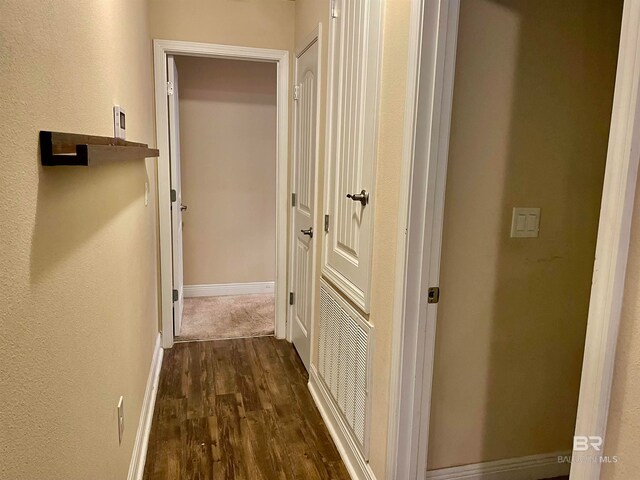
73 149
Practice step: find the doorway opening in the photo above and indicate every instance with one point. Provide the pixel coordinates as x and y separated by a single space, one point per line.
227 190
221 115
543 123
531 113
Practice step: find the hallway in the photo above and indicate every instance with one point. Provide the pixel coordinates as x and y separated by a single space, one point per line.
238 409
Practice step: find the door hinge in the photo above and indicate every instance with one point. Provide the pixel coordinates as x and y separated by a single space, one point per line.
175 295
326 223
433 295
334 8
291 298
169 88
296 92
174 195
293 199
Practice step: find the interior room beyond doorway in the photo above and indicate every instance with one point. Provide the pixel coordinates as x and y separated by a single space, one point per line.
228 178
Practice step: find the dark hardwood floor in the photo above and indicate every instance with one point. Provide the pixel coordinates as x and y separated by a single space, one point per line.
238 409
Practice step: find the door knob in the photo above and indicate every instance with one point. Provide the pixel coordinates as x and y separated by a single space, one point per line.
362 197
183 207
308 231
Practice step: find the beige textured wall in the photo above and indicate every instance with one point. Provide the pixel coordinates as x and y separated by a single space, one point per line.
228 159
77 245
623 428
531 112
249 23
308 13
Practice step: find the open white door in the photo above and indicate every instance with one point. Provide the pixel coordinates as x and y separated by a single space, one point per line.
304 204
176 194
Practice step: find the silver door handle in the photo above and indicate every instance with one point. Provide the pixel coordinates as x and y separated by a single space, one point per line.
183 207
308 231
362 197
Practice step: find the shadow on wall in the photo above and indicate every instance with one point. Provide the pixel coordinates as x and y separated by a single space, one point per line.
563 96
74 203
532 108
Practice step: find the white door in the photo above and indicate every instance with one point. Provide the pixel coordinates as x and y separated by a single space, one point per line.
304 191
354 50
176 206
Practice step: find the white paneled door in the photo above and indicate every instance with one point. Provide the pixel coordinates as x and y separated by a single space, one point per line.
176 204
354 50
305 154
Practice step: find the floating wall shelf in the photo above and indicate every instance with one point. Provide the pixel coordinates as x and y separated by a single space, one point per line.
80 150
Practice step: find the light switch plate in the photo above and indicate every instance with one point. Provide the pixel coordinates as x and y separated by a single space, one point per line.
525 222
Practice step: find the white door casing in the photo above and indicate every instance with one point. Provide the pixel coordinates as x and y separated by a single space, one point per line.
304 186
176 206
161 50
354 58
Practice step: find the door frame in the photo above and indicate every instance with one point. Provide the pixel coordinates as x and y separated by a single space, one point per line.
162 48
314 36
432 50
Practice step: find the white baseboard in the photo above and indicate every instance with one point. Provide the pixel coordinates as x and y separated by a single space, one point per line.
220 289
357 466
139 455
532 467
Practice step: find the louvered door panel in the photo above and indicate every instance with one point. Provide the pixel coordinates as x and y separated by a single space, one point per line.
345 362
353 97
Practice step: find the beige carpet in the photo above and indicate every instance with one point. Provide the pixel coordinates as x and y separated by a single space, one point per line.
231 316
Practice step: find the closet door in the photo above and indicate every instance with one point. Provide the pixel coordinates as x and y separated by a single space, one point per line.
354 51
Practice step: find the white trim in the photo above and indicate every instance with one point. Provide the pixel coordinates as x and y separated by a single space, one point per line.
139 455
314 36
521 468
398 454
220 289
162 48
414 334
355 463
612 246
425 163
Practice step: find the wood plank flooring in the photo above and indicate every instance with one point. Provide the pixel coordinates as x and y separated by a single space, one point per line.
238 409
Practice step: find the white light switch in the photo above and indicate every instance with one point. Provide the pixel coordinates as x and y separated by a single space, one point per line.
525 222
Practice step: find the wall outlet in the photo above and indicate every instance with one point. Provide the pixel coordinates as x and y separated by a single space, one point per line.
119 122
120 420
